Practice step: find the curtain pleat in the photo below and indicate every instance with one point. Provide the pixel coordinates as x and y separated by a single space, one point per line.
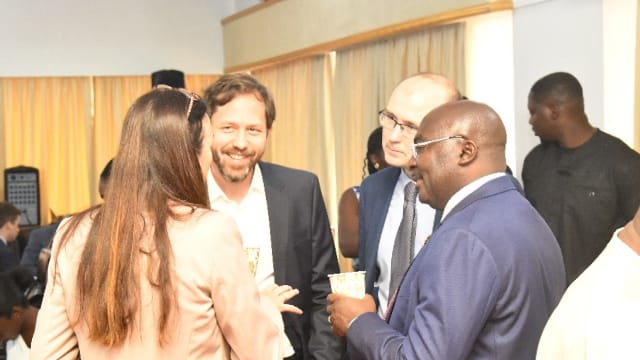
68 128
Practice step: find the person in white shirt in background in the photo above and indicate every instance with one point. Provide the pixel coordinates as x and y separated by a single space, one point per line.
599 314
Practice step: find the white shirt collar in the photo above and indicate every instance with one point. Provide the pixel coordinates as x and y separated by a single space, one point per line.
466 191
216 193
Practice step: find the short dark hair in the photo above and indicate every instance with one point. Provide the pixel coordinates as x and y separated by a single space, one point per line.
227 87
374 146
8 213
106 172
558 86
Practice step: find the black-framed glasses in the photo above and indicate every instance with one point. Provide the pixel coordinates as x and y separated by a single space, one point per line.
193 97
414 147
390 122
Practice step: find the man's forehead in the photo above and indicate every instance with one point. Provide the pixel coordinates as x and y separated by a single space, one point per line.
412 104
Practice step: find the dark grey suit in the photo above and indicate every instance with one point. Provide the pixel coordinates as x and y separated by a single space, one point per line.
39 239
8 258
303 255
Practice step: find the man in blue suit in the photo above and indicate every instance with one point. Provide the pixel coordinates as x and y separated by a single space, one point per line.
382 194
490 275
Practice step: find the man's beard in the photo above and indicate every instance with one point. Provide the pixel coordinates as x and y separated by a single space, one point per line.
235 176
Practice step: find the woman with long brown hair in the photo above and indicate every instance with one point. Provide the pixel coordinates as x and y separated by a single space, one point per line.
152 273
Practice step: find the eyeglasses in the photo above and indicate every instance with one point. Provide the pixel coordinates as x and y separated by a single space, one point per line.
414 147
193 97
390 122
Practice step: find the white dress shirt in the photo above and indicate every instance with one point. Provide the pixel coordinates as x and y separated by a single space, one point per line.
424 214
252 217
17 349
599 314
466 191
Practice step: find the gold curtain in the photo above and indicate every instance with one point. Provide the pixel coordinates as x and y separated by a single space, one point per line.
68 128
113 95
365 76
198 83
302 135
636 121
46 123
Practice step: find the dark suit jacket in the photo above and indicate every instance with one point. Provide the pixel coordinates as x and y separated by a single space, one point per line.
39 239
376 192
8 258
482 288
303 255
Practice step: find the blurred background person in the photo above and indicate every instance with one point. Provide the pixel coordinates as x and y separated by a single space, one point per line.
584 182
17 312
349 201
105 174
9 230
38 250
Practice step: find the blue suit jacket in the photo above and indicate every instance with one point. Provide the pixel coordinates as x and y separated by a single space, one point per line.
376 192
482 288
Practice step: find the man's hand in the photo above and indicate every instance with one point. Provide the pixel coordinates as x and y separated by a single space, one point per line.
279 295
342 309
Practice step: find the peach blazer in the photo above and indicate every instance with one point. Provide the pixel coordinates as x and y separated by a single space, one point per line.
220 314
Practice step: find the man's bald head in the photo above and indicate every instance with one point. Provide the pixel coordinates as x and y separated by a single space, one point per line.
474 147
409 102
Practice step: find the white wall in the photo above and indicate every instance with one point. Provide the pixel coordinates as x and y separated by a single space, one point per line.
557 35
115 37
489 69
506 52
619 30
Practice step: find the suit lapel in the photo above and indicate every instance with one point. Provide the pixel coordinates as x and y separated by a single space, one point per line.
387 187
278 208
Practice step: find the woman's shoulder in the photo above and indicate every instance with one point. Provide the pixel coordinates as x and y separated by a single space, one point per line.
210 226
208 217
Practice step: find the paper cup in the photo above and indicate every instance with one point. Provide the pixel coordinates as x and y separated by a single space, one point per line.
348 283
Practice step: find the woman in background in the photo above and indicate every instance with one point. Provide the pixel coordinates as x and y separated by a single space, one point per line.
17 312
153 273
349 203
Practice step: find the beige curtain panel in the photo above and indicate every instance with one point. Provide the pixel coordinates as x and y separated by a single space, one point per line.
68 128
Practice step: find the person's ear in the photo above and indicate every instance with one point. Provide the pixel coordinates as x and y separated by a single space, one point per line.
554 111
468 152
16 312
375 160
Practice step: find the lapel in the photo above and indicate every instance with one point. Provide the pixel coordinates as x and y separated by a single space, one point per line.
387 184
278 210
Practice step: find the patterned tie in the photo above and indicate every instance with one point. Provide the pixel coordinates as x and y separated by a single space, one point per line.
403 246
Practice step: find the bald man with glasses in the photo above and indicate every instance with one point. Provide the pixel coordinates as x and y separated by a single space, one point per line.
392 224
